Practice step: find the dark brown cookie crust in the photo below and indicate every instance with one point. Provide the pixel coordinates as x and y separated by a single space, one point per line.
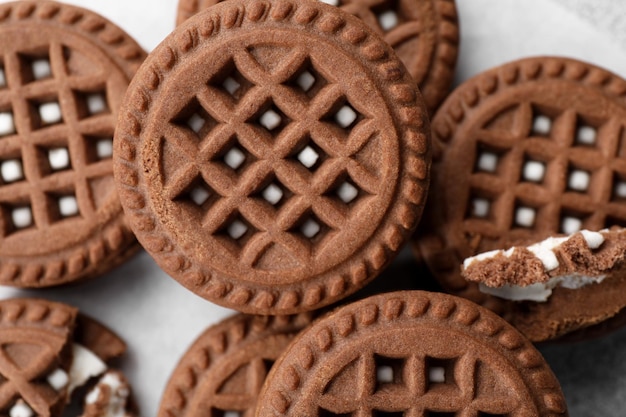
36 338
225 367
427 41
53 252
219 272
449 235
488 366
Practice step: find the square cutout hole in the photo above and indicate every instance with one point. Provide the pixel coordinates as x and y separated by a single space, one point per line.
45 112
524 216
11 170
58 158
533 171
98 148
572 221
35 66
480 205
63 205
578 180
388 370
7 123
18 217
542 122
439 372
91 103
587 131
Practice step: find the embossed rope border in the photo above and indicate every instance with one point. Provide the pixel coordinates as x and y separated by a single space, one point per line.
110 243
409 116
302 359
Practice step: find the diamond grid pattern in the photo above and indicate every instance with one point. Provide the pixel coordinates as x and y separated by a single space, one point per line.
413 394
540 185
48 80
296 212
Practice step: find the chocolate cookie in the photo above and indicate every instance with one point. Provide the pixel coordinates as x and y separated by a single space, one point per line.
588 267
63 73
411 354
272 156
526 151
42 360
223 371
424 34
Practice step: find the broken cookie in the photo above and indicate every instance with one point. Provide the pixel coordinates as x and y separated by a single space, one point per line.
44 363
561 283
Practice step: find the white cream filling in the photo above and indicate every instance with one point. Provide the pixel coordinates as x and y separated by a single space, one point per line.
543 250
116 406
542 291
85 365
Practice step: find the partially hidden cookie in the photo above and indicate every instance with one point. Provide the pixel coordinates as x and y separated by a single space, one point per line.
523 152
588 267
424 34
272 156
411 354
43 363
63 73
221 374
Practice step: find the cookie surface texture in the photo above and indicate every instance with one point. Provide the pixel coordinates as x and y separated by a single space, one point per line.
525 151
411 353
424 34
272 156
63 73
47 350
229 363
36 340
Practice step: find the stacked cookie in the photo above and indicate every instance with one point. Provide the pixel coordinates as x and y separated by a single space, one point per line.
523 160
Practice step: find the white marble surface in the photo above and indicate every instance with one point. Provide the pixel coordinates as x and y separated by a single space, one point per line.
159 319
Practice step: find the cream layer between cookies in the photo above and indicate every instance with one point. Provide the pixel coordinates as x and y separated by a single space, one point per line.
569 262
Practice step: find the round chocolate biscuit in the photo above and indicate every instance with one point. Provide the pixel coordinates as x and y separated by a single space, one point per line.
35 337
48 351
424 34
63 73
522 152
272 156
222 373
411 353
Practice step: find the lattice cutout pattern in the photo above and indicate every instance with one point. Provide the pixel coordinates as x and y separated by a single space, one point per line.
522 145
61 122
264 139
417 384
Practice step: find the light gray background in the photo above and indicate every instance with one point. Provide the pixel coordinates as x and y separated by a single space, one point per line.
159 319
